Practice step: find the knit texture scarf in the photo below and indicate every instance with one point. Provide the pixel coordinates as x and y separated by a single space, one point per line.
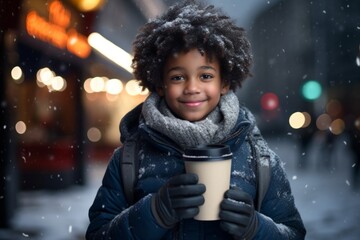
211 130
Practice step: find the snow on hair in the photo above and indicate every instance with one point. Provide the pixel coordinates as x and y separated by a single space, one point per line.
185 26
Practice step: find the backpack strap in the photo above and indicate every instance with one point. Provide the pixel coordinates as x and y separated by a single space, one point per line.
260 152
129 167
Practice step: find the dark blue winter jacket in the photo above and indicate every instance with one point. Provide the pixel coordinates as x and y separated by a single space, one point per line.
111 217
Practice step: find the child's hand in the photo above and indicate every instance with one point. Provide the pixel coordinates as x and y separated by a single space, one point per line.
178 199
237 214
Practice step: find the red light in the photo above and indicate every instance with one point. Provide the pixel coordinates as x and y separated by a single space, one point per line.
269 101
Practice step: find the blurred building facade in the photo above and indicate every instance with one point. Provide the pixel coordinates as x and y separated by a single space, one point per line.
307 54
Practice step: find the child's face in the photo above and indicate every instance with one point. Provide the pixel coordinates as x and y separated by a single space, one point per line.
192 85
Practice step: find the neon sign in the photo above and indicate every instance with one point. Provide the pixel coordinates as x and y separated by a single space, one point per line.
55 30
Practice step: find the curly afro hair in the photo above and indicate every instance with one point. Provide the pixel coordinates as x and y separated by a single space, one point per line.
186 26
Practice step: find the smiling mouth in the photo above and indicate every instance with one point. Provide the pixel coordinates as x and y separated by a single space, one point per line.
193 103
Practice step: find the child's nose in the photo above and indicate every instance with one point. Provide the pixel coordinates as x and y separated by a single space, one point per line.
192 86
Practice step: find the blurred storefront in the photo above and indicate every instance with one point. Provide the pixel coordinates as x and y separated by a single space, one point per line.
61 101
46 58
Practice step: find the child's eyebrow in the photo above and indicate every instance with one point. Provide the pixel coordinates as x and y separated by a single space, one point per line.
178 68
175 69
207 67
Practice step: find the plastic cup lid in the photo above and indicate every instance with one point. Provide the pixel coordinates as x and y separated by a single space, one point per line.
207 152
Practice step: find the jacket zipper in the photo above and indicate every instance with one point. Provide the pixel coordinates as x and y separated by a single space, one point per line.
235 134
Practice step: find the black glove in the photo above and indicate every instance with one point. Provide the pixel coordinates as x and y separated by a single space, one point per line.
237 214
178 199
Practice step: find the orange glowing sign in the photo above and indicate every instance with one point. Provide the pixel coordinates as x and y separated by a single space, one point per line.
55 30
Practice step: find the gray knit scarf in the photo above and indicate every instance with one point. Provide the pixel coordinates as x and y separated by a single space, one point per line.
214 128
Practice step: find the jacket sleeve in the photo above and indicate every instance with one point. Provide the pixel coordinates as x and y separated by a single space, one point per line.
279 217
112 218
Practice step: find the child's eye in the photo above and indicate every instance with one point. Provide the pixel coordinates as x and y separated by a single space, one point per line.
177 78
206 76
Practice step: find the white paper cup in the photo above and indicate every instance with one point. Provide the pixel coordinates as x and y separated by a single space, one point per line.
212 163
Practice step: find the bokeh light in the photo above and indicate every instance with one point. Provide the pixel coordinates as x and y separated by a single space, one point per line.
297 120
87 86
58 83
337 126
94 134
307 119
114 86
323 122
97 84
17 74
357 123
46 77
133 88
20 127
269 101
334 108
311 90
88 5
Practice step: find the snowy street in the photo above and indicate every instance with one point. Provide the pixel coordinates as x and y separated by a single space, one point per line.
328 204
324 195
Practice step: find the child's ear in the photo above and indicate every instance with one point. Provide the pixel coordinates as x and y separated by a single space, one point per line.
225 89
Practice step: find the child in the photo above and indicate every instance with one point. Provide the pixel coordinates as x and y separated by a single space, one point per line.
192 59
